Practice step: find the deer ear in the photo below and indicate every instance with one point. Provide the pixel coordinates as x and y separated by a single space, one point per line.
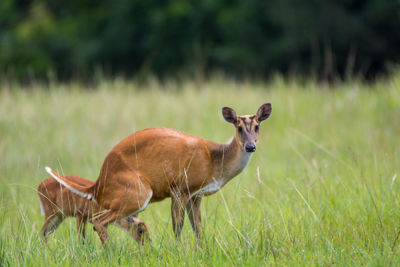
229 114
264 111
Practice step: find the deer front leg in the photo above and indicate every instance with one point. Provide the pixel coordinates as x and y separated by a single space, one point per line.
101 231
193 210
178 204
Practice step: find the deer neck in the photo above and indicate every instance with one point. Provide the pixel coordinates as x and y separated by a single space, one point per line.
229 159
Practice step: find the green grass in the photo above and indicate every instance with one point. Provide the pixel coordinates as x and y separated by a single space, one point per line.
329 189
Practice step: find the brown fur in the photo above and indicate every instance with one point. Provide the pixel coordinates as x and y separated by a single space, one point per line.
58 203
157 163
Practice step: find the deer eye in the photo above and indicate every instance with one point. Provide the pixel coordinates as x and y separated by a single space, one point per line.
240 129
256 128
140 231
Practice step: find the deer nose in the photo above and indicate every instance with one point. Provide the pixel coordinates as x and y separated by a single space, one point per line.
250 148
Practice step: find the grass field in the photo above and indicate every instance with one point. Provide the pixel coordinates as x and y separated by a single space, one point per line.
328 192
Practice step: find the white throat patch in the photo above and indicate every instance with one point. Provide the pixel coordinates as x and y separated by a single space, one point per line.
244 160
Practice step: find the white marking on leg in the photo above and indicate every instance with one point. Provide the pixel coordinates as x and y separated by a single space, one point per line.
144 205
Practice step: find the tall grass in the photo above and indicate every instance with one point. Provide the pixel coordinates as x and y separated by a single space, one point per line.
322 189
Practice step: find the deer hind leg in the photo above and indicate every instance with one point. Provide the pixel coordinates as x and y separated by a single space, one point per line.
81 226
194 214
130 195
178 204
50 225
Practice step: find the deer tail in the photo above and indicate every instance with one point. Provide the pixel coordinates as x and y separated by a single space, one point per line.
75 188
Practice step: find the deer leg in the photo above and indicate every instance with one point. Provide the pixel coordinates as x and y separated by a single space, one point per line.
101 231
178 204
130 195
50 225
194 214
81 226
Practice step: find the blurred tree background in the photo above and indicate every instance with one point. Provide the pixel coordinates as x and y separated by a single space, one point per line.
252 38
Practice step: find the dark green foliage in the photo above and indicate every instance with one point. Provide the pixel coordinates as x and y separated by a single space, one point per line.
244 38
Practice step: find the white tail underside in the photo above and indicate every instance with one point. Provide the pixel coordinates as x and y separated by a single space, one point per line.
82 194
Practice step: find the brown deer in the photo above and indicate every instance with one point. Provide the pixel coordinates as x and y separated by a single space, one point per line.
58 202
153 164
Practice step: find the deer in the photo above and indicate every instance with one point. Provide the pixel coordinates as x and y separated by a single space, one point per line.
58 202
156 163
